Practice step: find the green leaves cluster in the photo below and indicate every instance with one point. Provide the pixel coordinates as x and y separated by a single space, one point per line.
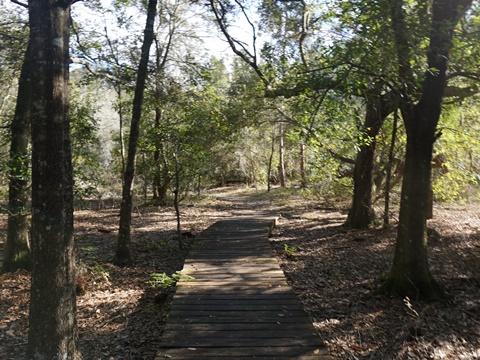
163 281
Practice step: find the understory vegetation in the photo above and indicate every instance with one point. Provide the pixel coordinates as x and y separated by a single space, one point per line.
333 271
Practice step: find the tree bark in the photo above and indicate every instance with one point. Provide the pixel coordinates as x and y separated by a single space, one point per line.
303 173
53 328
122 255
157 191
121 136
270 159
410 274
162 178
388 181
281 157
176 202
17 253
361 214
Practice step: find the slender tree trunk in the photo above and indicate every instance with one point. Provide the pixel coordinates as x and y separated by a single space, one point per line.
122 141
156 160
281 165
17 246
53 329
303 174
176 204
386 216
270 159
122 255
410 274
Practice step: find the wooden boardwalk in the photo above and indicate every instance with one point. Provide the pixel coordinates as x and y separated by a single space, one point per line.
238 304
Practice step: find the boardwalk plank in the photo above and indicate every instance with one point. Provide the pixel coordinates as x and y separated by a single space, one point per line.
233 327
263 352
237 304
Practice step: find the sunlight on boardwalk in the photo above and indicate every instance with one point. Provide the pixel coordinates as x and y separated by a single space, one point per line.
238 304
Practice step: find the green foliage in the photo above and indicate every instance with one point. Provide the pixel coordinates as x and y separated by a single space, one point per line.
163 281
18 166
289 249
90 250
457 154
99 273
86 158
327 59
154 246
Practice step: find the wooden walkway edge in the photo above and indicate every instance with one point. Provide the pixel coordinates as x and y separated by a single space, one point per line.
238 304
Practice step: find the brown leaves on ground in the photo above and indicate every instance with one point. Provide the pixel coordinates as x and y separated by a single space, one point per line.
333 271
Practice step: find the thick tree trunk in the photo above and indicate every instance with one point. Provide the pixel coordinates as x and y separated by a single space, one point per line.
122 255
410 274
53 330
361 214
17 246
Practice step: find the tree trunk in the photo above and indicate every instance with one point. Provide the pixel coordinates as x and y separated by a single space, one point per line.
176 204
156 159
122 255
388 181
281 165
53 329
121 139
361 214
410 274
17 246
303 174
270 159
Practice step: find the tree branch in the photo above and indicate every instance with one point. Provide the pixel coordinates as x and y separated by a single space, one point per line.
469 75
340 157
76 60
244 54
19 3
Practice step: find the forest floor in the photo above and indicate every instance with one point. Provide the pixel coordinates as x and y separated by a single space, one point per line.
333 271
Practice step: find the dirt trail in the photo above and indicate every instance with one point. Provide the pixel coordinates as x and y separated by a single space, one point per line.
245 201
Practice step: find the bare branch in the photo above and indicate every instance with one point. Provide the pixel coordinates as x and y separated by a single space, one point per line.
87 65
244 54
19 3
340 157
469 75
